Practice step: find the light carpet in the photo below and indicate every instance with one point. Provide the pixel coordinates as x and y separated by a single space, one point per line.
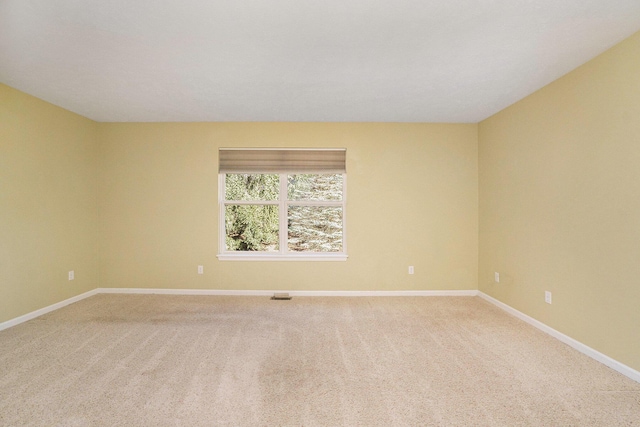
164 360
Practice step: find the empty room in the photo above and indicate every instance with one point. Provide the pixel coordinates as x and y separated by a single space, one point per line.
319 213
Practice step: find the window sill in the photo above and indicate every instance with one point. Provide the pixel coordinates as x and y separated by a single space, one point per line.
279 257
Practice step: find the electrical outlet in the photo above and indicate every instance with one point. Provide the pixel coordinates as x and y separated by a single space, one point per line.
547 297
201 269
496 277
411 269
72 275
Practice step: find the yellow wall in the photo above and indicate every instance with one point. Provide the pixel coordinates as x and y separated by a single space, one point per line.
560 203
48 207
412 200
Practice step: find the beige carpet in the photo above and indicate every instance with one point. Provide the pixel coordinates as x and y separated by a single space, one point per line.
155 360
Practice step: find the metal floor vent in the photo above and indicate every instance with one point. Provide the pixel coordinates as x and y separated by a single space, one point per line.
281 296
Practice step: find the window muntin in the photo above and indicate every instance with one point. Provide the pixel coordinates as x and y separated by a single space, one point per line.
310 218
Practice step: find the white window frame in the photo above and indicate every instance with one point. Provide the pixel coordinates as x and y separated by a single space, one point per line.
283 204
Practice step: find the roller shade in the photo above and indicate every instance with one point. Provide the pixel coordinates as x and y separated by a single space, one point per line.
251 160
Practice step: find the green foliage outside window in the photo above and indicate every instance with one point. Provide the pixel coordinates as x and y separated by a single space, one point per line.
256 227
251 227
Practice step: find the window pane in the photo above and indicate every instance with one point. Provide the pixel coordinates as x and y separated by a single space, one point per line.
251 228
257 186
315 229
315 187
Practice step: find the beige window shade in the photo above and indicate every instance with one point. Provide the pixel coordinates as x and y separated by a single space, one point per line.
282 160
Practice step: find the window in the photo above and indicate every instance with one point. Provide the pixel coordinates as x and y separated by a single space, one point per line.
280 204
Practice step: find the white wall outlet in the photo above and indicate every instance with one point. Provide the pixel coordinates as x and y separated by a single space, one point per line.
496 277
547 297
72 275
201 269
411 269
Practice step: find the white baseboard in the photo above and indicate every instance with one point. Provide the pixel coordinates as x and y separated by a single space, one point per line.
582 348
415 293
45 310
455 293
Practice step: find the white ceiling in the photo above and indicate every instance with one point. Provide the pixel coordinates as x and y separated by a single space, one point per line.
297 60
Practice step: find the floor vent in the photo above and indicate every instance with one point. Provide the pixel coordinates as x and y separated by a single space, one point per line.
281 296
